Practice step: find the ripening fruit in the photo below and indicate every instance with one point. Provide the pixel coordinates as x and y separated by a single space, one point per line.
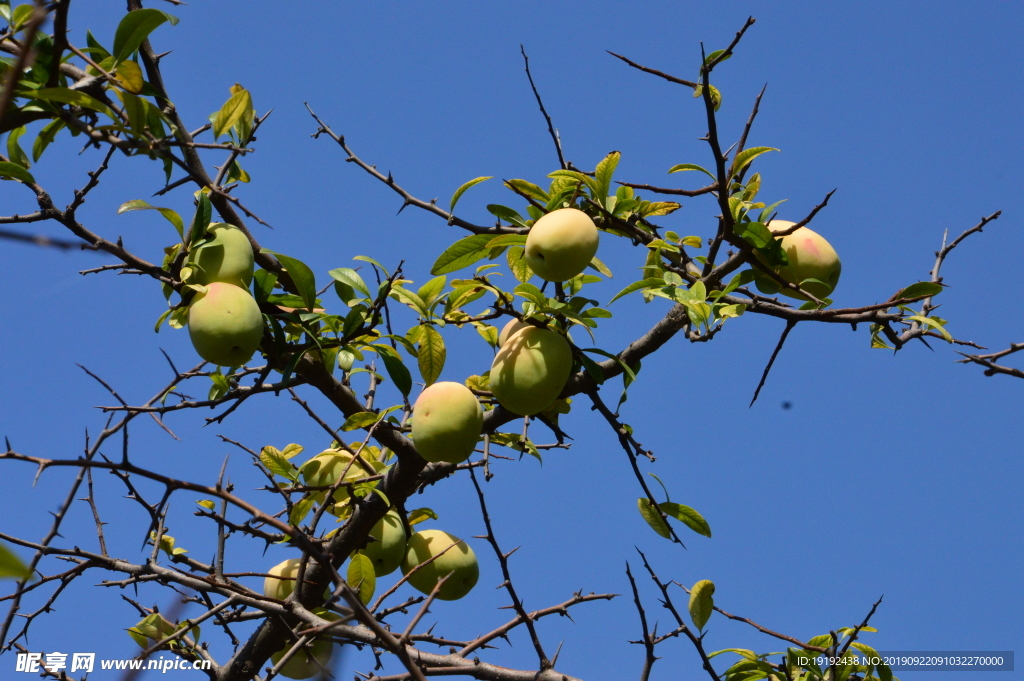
459 560
388 550
281 589
325 469
227 258
225 324
810 257
530 370
510 328
446 422
302 665
561 244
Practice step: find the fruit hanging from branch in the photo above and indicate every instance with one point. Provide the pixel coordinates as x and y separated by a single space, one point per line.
446 422
225 324
561 244
455 558
530 370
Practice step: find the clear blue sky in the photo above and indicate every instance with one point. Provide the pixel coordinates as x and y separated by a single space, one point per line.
889 475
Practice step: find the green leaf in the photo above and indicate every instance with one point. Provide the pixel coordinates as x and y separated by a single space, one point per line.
431 291
507 214
930 321
45 137
653 518
302 277
603 173
278 464
921 288
600 267
232 111
431 355
578 177
686 515
462 253
745 157
361 419
690 166
14 150
420 514
300 510
64 95
12 171
11 566
507 240
755 233
361 577
702 602
516 257
201 219
170 215
350 277
134 28
637 285
529 189
398 372
462 190
373 262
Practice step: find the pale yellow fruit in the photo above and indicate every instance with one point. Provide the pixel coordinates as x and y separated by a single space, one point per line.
386 548
530 370
225 324
446 422
459 561
510 328
561 244
281 589
227 258
301 665
325 469
810 257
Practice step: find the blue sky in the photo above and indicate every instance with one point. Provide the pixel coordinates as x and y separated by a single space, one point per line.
889 475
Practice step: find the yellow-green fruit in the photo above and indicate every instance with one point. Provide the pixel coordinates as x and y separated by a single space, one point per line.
561 244
387 547
510 328
530 370
446 422
810 257
225 324
325 469
227 257
459 560
301 665
281 589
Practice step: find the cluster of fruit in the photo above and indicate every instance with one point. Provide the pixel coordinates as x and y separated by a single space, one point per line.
224 320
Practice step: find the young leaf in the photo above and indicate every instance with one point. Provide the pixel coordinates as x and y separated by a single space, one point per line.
651 282
529 189
170 215
361 576
134 28
232 111
689 517
431 355
362 419
278 464
652 517
11 566
462 253
745 157
462 190
702 602
603 173
516 257
421 514
678 168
